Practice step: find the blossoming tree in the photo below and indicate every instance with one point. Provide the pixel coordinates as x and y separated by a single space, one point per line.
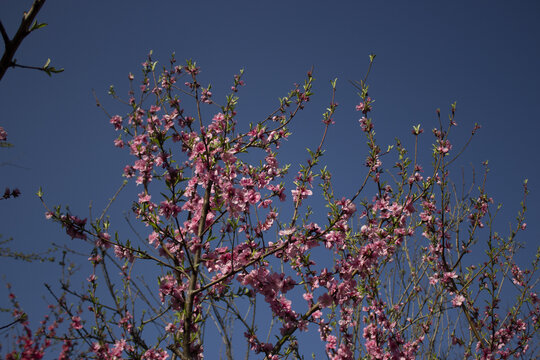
405 267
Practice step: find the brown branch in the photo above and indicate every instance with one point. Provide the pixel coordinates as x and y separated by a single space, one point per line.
288 333
11 45
191 293
21 318
4 33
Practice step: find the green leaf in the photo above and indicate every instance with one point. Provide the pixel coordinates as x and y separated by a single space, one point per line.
55 70
36 26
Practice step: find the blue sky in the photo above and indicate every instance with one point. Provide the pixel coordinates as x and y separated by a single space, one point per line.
482 54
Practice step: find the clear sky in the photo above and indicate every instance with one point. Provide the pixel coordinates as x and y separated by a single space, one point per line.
482 54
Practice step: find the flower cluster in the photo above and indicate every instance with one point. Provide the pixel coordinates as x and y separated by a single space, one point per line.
379 277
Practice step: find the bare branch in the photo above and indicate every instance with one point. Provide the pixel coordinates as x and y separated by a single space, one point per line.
25 28
4 35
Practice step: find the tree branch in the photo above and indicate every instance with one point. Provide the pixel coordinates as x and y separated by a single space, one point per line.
23 31
4 35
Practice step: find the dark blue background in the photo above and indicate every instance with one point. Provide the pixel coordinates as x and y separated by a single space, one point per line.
482 54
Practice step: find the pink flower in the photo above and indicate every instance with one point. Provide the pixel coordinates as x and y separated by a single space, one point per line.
96 259
119 347
301 193
365 124
364 107
458 300
76 323
123 252
447 276
117 122
169 209
155 354
144 198
317 314
287 232
3 134
104 240
228 157
444 146
129 171
153 239
325 300
331 343
74 226
125 322
518 277
373 349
